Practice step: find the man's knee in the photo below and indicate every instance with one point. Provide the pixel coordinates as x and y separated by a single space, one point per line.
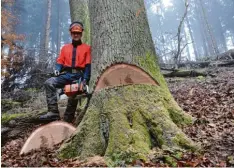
49 83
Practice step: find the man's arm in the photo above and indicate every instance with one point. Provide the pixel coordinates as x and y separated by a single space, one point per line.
60 61
87 71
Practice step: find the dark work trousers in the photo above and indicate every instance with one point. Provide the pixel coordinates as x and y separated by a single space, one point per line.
59 82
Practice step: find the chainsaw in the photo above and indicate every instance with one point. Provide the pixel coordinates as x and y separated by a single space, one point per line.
76 89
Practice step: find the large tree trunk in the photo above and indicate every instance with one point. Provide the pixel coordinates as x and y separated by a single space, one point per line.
59 29
186 41
79 12
210 32
179 38
126 120
192 38
47 30
45 36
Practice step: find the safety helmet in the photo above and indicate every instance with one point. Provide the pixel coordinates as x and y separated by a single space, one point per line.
76 27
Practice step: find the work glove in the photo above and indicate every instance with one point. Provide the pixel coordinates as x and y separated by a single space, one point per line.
56 72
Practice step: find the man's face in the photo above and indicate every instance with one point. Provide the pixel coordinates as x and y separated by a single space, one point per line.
76 35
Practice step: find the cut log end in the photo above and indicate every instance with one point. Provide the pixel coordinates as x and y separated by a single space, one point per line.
123 74
47 136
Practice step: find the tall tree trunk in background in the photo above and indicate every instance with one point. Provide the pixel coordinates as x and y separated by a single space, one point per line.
126 119
206 46
79 11
186 41
47 30
232 38
222 37
58 28
212 38
192 38
179 38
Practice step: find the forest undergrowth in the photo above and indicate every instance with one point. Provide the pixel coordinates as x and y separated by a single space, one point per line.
209 100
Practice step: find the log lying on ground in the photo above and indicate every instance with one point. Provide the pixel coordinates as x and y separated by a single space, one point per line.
228 55
225 63
184 73
192 64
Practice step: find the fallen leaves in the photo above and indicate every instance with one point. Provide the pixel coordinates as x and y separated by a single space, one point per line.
211 102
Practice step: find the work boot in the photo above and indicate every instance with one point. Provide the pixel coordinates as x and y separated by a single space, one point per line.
50 116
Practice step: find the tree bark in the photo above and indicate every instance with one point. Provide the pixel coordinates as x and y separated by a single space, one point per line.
222 38
126 120
79 12
186 42
192 38
206 46
47 31
59 31
212 38
179 38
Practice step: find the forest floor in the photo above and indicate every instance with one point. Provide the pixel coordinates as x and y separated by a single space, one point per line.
209 100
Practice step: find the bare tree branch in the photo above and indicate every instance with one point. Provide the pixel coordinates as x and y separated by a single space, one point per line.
179 38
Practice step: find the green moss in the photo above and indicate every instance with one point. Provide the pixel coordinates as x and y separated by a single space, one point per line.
158 135
7 117
184 142
170 161
230 160
8 104
201 78
87 141
180 118
150 65
178 155
70 151
141 134
121 158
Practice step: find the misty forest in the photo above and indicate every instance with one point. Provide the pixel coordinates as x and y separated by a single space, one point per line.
160 93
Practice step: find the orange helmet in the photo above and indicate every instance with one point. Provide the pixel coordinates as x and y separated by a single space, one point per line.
76 27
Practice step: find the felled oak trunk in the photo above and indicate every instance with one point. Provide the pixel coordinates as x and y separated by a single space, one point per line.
131 109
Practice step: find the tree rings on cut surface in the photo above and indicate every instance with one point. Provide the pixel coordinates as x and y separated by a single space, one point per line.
48 135
123 74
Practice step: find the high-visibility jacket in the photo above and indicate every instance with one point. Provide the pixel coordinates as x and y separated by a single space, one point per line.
83 56
81 60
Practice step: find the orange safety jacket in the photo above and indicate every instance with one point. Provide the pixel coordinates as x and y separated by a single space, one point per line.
81 60
83 56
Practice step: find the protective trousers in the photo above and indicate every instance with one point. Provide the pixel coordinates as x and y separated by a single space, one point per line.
59 82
